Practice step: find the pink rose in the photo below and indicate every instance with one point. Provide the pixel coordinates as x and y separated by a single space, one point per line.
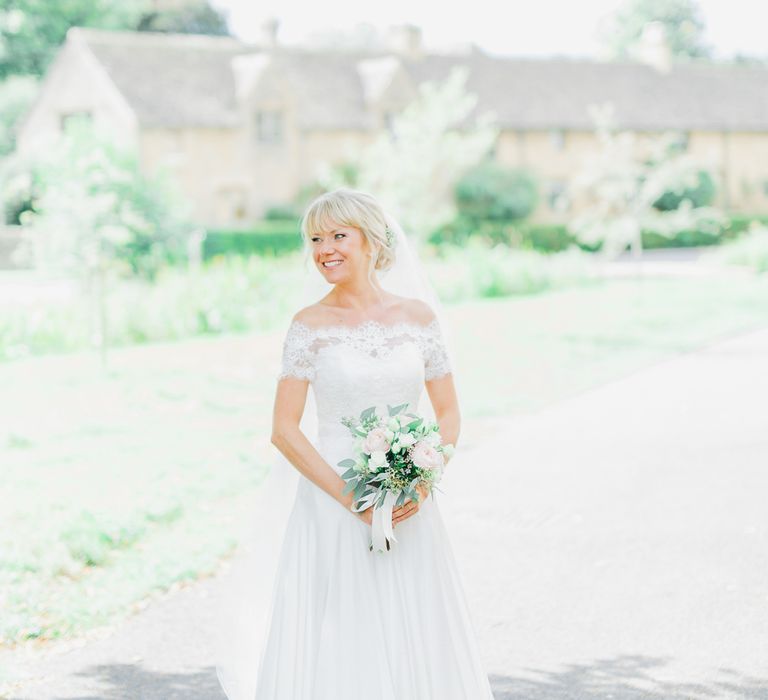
425 456
376 441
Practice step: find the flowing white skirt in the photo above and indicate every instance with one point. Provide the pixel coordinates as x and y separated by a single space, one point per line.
345 622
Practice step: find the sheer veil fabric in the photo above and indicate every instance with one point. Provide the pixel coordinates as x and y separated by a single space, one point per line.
242 601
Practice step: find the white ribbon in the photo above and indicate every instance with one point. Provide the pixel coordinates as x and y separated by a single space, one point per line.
381 522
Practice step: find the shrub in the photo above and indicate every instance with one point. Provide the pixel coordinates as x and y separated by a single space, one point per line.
490 192
273 237
93 205
701 194
282 212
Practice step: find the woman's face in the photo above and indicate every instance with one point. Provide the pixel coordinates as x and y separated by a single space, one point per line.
340 252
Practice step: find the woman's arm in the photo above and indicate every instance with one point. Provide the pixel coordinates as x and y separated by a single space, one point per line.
442 394
290 399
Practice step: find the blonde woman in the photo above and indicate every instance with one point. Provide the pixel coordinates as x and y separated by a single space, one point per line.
346 622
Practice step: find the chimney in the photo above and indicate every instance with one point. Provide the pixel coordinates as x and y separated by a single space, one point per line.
653 48
405 40
268 37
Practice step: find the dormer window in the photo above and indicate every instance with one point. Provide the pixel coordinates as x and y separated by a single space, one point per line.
269 126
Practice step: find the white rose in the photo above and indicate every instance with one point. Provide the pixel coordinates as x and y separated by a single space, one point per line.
406 439
375 441
425 456
378 459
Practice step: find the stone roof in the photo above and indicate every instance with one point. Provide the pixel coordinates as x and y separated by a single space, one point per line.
179 80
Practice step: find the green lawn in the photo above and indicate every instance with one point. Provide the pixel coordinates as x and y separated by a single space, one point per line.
115 485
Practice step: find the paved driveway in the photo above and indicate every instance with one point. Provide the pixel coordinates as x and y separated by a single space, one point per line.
614 545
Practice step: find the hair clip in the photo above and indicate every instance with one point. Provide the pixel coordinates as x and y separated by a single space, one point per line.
390 236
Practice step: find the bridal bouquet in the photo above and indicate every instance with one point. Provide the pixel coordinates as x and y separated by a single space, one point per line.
393 457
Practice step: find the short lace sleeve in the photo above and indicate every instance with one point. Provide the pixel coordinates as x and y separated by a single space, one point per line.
298 354
436 362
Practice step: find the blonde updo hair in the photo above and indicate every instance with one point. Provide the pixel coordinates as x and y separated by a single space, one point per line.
348 207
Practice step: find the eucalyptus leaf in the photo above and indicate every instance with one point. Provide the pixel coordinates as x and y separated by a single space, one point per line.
394 411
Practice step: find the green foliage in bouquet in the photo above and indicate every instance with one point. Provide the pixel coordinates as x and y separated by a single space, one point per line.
370 476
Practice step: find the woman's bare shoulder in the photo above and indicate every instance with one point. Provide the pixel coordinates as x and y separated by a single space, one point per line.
312 315
419 311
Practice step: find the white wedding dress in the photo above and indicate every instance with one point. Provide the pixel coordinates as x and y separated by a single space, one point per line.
345 622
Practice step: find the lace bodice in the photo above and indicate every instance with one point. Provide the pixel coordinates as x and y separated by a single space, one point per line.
371 363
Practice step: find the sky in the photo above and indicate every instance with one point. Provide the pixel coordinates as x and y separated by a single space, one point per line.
540 28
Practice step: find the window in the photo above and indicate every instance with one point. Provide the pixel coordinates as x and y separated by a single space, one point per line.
269 126
70 120
231 205
557 139
680 141
557 196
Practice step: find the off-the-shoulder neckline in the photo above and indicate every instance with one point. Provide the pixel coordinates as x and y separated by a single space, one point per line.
368 323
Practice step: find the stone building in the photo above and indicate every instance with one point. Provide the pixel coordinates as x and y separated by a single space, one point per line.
246 125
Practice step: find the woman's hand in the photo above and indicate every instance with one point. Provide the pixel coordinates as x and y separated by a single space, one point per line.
410 507
400 513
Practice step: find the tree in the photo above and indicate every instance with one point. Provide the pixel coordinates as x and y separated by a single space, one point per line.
681 19
415 165
17 94
492 192
193 17
31 31
624 180
96 216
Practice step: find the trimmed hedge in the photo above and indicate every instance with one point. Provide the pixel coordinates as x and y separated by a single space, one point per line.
555 237
271 237
280 236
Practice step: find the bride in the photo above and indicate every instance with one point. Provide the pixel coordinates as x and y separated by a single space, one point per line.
339 621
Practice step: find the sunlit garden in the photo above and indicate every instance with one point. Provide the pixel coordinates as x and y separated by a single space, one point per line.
136 407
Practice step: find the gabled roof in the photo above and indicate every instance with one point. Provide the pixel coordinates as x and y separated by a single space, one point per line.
169 79
180 80
556 93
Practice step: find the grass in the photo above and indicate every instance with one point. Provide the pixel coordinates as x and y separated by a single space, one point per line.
115 485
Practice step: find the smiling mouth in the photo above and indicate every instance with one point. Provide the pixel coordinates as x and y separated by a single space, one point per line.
332 263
